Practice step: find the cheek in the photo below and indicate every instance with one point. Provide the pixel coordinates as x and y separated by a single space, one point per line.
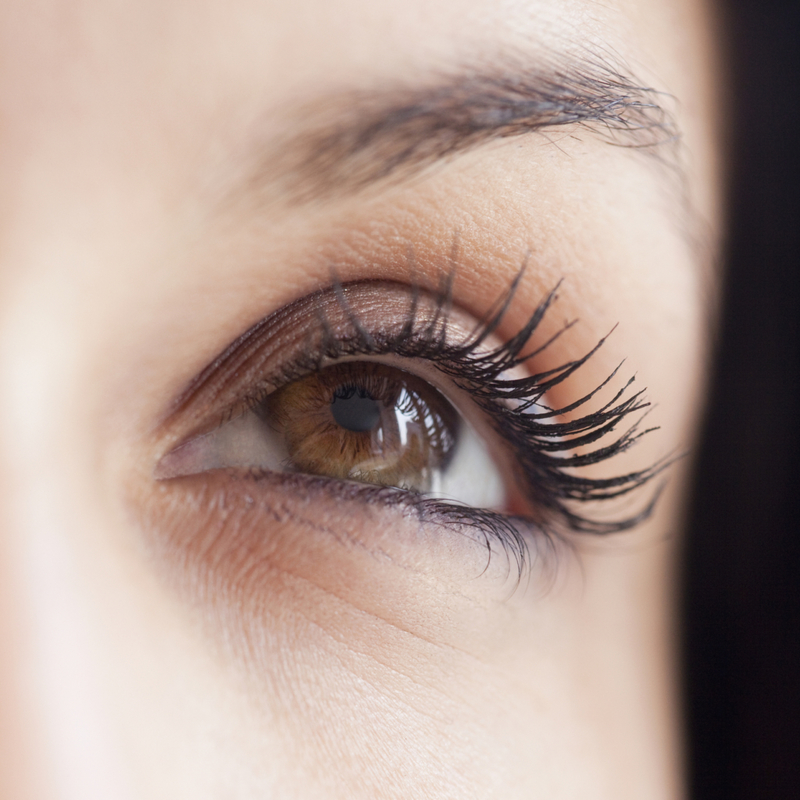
386 650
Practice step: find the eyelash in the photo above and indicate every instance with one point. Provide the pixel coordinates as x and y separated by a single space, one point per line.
537 439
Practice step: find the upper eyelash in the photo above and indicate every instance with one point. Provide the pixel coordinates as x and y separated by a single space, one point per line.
544 447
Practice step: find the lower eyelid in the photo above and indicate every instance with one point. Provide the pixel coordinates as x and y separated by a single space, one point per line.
264 556
233 528
283 565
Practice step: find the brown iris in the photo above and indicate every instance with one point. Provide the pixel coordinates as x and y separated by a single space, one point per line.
366 422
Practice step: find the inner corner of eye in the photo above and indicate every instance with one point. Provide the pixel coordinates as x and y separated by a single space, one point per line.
359 421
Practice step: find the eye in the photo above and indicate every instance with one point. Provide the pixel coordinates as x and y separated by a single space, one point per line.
361 421
384 385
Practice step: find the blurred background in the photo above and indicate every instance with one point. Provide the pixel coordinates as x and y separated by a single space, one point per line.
742 552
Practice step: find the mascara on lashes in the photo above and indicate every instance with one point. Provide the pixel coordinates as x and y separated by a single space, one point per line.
550 445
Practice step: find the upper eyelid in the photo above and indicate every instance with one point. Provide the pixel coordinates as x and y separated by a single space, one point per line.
255 353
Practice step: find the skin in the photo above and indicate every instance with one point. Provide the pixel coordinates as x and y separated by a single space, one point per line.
134 248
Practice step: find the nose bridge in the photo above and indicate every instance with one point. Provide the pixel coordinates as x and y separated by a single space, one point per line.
22 773
52 739
19 777
51 723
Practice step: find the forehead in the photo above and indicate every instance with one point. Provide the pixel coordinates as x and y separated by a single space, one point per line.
292 41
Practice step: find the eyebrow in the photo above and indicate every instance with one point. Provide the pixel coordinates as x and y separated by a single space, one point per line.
349 141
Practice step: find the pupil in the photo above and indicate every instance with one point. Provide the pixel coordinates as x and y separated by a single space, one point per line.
354 410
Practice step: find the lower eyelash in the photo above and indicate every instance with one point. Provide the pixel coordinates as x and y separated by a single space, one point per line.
513 534
544 444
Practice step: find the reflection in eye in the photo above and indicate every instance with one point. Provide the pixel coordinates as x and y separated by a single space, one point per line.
360 421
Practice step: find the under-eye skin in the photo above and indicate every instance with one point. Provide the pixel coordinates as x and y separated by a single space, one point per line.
393 388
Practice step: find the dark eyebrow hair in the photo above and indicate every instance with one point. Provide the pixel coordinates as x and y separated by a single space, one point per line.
351 140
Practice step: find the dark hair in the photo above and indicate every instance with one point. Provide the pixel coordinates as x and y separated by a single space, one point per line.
742 551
